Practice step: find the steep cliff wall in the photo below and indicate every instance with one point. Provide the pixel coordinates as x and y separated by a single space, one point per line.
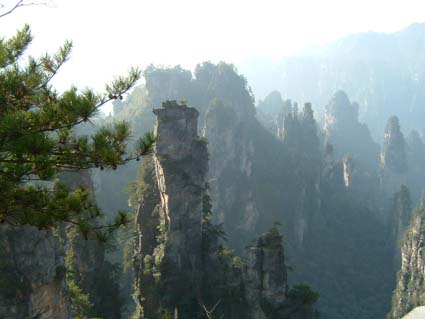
328 208
394 164
410 291
181 268
265 276
32 274
173 267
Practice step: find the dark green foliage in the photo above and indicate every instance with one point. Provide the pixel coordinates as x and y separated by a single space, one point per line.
302 294
37 139
94 283
81 305
211 233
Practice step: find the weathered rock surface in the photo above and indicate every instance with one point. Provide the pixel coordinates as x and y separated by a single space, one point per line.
265 276
180 163
32 274
393 158
181 269
410 290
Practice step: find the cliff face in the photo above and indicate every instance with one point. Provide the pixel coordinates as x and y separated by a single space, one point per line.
393 158
257 178
265 276
181 161
180 164
32 274
86 263
349 138
410 292
181 269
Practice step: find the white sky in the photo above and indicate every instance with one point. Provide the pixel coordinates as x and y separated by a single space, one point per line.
109 36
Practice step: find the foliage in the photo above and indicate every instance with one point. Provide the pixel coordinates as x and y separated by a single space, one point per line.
93 282
37 139
80 301
303 294
211 233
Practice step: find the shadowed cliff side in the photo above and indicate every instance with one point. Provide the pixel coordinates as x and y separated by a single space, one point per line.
32 274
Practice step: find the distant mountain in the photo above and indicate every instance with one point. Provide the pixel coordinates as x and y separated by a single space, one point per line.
383 72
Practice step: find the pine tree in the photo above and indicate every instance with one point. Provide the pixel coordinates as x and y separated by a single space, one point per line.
38 139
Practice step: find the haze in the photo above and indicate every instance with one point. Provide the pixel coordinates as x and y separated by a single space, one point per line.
111 36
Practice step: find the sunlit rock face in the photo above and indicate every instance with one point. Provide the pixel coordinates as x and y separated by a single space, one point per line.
181 162
173 254
32 274
410 291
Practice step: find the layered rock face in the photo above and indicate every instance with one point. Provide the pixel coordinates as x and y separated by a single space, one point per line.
32 274
410 290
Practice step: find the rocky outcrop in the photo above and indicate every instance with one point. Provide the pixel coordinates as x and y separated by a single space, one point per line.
171 263
347 135
300 138
256 179
410 291
265 276
416 160
181 268
181 162
400 219
32 274
265 279
272 111
393 158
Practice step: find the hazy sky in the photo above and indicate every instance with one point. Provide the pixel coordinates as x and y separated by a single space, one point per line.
109 36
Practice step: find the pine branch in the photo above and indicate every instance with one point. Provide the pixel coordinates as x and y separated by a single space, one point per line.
20 4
